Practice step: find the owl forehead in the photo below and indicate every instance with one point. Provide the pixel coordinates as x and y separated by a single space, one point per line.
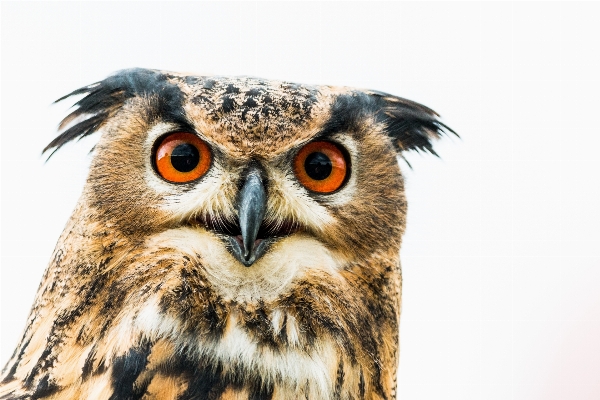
252 116
245 116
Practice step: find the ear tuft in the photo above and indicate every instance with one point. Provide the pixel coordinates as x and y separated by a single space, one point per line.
410 125
103 99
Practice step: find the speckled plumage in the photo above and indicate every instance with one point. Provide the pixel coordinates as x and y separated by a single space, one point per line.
143 299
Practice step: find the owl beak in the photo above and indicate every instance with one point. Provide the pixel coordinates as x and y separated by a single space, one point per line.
252 204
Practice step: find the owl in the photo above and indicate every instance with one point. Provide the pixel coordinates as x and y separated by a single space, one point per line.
237 238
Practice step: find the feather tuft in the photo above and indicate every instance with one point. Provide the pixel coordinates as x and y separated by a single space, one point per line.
103 100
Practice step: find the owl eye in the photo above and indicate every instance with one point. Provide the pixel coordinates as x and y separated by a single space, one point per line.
182 157
321 167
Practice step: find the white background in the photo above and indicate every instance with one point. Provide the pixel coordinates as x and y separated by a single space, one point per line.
501 257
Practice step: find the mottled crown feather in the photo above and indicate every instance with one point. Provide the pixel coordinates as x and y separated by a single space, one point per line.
410 125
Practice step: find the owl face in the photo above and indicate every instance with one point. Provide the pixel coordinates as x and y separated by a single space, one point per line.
261 180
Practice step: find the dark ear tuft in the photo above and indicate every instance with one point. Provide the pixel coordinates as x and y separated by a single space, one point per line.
103 99
410 125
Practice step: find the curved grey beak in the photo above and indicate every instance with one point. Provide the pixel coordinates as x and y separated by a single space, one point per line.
252 204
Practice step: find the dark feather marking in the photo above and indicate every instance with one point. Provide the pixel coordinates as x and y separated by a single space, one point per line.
410 125
40 371
361 385
12 396
79 131
13 368
258 324
205 383
210 379
209 84
103 99
88 365
55 338
347 111
126 370
44 388
228 104
232 89
339 381
191 301
259 392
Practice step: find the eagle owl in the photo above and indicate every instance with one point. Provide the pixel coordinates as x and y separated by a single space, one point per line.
237 238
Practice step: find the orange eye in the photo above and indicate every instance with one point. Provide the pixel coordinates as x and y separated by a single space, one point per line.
182 157
321 167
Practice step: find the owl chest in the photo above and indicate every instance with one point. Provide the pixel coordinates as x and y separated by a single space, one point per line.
232 367
158 354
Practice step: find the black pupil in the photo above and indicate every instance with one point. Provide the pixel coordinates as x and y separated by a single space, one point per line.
185 157
318 166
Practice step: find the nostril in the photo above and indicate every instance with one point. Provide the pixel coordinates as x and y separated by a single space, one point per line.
240 240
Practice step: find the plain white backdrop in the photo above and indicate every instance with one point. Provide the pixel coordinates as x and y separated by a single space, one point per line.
501 258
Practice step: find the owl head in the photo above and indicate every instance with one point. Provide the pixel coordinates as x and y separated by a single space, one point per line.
262 179
235 237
